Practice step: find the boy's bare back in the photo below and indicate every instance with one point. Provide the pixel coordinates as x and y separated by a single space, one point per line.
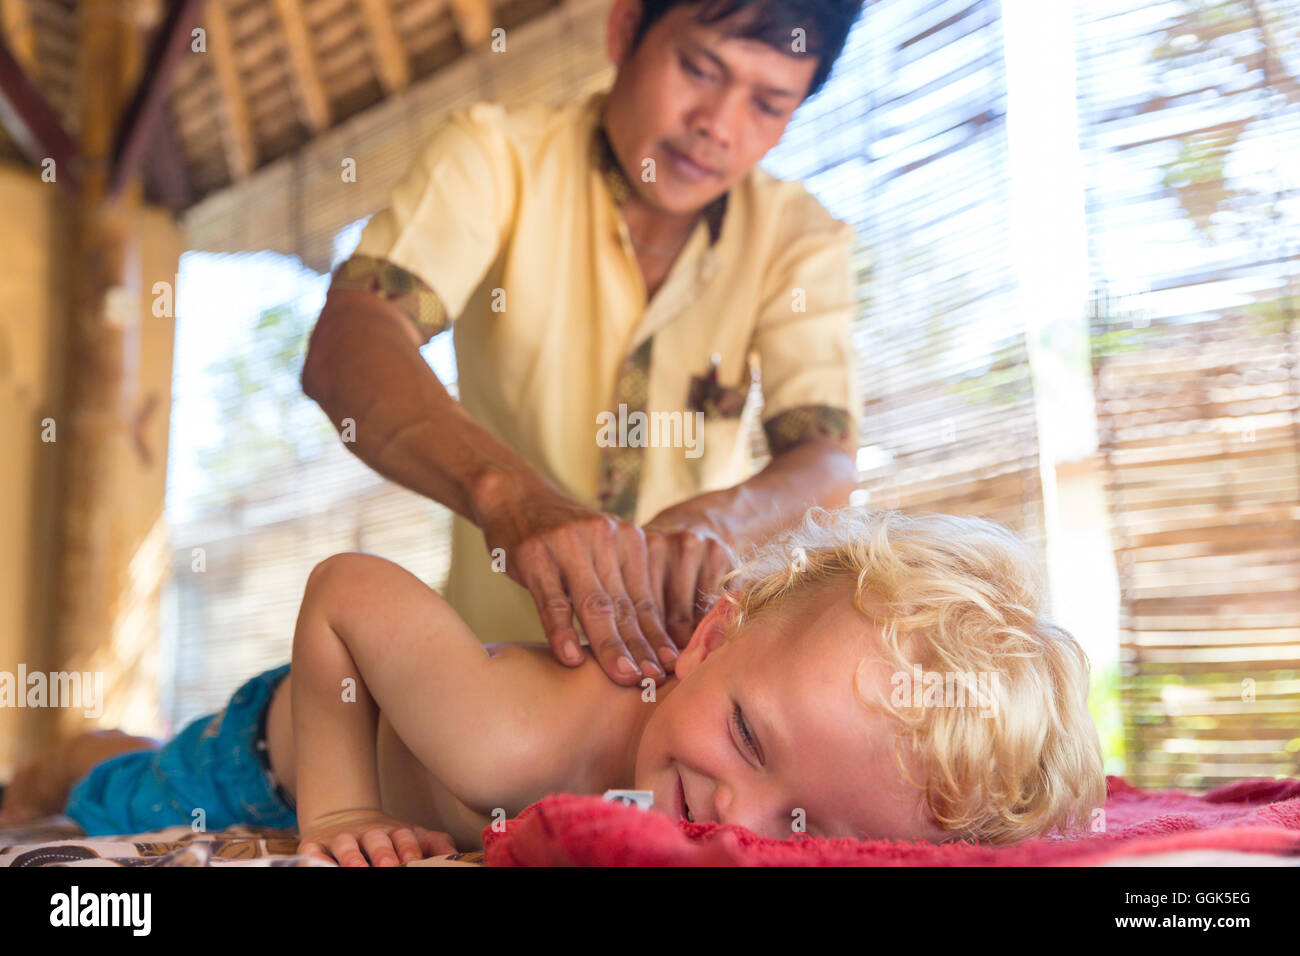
573 731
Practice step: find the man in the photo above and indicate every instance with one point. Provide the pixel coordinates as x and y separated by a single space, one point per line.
614 258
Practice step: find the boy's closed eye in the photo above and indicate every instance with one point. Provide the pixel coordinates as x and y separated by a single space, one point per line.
750 746
747 742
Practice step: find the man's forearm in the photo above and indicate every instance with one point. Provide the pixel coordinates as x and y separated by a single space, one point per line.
364 365
813 473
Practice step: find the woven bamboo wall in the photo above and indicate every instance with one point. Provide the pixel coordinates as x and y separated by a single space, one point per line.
1201 437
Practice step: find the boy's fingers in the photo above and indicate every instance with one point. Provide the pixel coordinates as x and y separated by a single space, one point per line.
379 847
345 850
316 852
435 843
407 845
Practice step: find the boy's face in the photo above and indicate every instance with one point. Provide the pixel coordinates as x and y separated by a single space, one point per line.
689 89
791 675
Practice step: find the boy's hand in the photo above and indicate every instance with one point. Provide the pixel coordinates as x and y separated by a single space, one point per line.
350 837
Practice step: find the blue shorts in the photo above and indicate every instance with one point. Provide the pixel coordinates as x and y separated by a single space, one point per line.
213 765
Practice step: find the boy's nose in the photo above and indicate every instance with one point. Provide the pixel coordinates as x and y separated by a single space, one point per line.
751 808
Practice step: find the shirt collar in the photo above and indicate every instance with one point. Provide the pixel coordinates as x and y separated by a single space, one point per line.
604 159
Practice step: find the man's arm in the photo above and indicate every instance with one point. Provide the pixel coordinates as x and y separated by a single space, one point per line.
363 363
818 471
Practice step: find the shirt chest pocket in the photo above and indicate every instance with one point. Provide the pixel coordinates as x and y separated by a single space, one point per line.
718 405
717 400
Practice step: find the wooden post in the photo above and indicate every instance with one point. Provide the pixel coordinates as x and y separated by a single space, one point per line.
103 269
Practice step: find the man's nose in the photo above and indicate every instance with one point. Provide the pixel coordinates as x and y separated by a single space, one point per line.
715 118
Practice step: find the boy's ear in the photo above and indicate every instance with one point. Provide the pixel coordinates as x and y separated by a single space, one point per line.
708 637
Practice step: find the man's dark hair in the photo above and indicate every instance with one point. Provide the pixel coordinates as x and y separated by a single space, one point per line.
826 24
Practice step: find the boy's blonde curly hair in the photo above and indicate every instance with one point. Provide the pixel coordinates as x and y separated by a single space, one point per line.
962 595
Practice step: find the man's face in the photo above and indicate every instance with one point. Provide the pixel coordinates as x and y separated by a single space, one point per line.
787 680
688 92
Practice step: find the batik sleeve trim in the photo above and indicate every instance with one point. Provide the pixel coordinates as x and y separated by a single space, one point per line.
806 423
402 288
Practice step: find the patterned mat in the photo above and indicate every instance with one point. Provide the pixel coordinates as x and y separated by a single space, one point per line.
57 841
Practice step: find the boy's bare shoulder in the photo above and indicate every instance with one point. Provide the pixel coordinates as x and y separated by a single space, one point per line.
574 715
530 672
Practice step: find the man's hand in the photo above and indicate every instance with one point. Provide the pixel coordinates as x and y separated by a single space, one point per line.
369 838
577 560
689 554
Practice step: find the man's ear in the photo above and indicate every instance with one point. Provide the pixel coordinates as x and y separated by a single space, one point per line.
708 637
620 27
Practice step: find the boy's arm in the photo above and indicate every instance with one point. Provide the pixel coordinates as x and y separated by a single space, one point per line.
372 636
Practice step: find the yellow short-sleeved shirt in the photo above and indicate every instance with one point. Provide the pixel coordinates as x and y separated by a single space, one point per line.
509 223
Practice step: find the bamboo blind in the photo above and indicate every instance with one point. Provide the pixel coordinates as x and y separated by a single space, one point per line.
911 148
1203 466
1189 111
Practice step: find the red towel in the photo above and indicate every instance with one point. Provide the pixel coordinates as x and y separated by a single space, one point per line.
1260 816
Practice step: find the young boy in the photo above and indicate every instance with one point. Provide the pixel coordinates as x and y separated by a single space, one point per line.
817 695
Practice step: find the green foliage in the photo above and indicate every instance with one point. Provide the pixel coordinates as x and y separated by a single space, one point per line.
1221 31
1197 177
1274 315
267 422
1004 381
1104 705
1118 339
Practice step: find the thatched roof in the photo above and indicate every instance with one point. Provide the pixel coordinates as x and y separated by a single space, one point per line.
274 74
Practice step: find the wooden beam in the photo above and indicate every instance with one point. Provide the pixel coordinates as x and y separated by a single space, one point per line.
312 100
102 343
18 33
35 125
473 19
171 42
241 149
166 178
386 46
